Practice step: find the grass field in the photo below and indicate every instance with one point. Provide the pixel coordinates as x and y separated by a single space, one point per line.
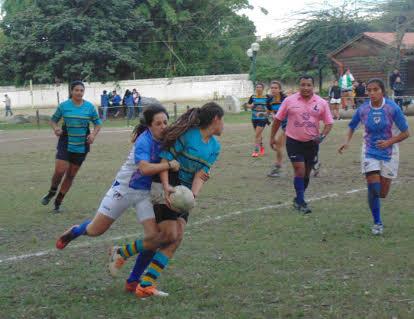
246 253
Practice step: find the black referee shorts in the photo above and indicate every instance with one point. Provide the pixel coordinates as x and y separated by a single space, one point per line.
306 152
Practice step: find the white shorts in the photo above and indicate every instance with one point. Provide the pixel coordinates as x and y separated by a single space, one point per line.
115 203
335 101
388 169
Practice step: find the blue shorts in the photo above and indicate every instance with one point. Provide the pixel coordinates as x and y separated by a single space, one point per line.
63 154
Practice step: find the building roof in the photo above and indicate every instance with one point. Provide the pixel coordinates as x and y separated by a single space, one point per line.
385 38
389 38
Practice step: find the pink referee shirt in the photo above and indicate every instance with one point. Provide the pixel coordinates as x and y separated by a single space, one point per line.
304 116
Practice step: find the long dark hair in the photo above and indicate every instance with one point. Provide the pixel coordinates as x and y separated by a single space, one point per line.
194 117
74 84
380 84
146 119
282 93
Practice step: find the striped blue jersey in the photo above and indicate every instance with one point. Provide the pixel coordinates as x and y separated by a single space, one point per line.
193 154
76 123
259 108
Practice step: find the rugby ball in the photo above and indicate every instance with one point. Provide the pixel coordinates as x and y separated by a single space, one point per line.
182 199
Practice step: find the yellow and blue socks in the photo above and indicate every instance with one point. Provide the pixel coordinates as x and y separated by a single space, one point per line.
299 184
131 249
157 265
374 202
141 263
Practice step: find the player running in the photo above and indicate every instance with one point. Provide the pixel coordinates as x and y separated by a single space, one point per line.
131 187
305 110
191 141
274 101
258 104
385 126
74 142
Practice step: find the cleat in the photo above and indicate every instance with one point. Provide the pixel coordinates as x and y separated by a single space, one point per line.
131 286
262 151
47 198
116 261
316 168
65 238
275 172
255 154
145 292
301 208
377 229
57 209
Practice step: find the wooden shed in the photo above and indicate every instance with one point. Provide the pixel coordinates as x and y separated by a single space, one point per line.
367 56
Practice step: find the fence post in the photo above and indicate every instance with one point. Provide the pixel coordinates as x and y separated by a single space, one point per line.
37 119
175 111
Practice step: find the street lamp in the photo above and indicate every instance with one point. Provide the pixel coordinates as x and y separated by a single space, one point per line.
252 53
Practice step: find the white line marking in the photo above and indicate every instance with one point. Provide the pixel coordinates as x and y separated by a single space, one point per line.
198 223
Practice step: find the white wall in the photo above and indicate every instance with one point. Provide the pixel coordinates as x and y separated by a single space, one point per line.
194 88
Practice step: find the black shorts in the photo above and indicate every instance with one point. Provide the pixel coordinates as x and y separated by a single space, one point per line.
163 212
302 151
260 123
63 154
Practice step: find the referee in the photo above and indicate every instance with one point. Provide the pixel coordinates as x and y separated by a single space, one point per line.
305 110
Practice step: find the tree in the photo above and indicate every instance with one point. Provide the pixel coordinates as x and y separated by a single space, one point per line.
322 32
110 39
195 37
70 40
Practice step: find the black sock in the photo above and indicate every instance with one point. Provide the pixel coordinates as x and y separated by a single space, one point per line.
59 199
52 192
306 182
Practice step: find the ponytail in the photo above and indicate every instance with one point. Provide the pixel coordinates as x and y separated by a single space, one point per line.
186 121
146 119
194 117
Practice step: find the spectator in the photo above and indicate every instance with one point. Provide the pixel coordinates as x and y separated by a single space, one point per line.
116 102
360 93
137 101
129 103
104 104
393 77
345 83
335 99
7 103
398 88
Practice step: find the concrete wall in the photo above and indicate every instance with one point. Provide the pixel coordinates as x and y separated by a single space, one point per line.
175 89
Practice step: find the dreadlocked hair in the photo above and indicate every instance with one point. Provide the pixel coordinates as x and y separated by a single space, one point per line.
146 118
194 117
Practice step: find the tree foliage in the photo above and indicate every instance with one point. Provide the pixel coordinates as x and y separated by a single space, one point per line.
112 39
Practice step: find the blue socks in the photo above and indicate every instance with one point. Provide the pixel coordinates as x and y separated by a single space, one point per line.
142 262
299 184
374 190
81 229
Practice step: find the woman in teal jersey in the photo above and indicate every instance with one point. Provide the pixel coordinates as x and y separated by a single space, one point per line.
74 142
191 141
258 104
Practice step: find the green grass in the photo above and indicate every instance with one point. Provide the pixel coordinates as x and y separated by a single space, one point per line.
229 118
270 263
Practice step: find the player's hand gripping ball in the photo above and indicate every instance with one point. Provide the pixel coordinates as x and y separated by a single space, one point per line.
182 199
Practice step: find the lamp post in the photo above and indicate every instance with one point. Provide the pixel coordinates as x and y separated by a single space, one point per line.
252 54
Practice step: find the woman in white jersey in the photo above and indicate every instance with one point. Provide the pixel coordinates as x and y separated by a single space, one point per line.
132 184
385 126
